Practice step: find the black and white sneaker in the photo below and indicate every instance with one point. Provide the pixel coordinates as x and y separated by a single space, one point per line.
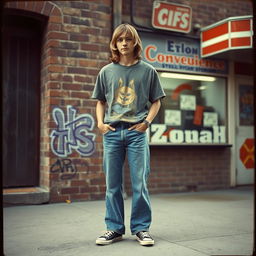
109 237
144 238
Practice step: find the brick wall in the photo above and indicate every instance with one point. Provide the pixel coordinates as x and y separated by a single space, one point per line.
75 47
176 169
80 51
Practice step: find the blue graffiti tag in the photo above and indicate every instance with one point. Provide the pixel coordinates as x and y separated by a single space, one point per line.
73 133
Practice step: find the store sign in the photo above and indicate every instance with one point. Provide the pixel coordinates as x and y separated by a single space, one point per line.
178 54
169 16
229 34
159 133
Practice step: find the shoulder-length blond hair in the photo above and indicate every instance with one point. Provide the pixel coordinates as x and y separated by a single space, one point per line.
130 30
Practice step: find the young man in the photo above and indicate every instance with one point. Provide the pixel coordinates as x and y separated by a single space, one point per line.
124 90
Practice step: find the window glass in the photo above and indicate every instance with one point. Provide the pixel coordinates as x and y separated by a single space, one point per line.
193 111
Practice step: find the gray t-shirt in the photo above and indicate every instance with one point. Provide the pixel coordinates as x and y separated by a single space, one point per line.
127 91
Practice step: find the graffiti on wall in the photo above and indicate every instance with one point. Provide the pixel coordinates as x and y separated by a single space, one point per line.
72 133
66 167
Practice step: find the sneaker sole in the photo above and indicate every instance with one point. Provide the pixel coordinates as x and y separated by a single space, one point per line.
100 242
145 243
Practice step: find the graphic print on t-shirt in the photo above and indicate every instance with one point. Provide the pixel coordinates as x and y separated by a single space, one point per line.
124 101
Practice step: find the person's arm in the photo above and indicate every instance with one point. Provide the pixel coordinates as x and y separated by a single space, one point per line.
150 117
100 112
153 110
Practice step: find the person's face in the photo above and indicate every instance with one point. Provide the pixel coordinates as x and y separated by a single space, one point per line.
125 44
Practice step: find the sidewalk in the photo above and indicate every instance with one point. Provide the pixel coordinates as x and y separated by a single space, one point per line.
184 224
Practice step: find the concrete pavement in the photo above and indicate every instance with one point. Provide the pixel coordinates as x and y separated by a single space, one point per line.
184 224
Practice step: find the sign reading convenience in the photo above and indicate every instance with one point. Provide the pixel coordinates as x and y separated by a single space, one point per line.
170 16
174 53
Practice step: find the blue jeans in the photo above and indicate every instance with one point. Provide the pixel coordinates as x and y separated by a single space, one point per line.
116 144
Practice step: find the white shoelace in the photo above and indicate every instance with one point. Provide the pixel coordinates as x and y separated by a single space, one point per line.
145 235
108 233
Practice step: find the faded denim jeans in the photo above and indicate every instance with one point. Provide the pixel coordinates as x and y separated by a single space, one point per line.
116 145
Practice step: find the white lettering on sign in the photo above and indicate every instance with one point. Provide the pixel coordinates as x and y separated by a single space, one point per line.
219 134
158 130
160 134
176 136
171 17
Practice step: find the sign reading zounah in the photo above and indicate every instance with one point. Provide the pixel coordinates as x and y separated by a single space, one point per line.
170 16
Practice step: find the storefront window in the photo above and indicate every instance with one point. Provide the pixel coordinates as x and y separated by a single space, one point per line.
193 111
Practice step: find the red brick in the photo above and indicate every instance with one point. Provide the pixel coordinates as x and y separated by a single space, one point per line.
77 183
90 189
88 63
71 190
67 78
73 87
80 78
98 181
81 95
55 19
57 52
54 26
52 60
57 93
56 69
90 47
55 102
93 72
76 70
53 85
79 37
58 35
74 103
52 43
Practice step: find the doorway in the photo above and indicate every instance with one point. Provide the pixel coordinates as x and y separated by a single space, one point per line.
245 161
21 51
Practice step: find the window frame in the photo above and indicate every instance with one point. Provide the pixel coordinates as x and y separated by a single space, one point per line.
226 113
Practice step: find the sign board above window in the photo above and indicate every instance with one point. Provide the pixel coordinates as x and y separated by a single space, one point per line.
179 54
170 16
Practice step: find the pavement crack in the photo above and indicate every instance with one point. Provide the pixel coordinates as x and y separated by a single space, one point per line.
207 237
181 245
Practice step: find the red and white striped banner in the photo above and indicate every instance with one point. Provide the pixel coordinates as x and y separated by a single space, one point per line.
228 34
